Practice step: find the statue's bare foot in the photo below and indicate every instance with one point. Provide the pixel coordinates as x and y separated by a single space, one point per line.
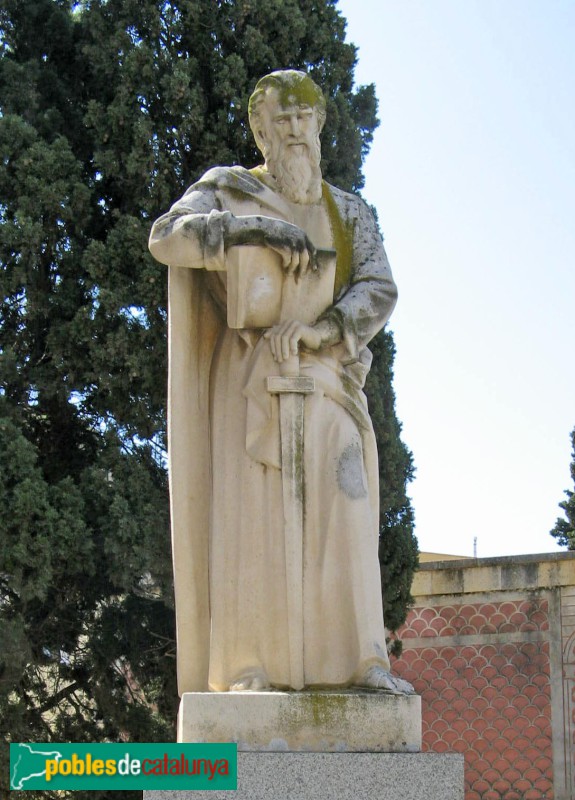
253 680
378 678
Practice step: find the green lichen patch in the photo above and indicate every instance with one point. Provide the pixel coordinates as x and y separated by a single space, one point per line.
342 233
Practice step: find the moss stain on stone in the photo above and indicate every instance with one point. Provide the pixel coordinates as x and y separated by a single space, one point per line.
327 709
299 467
342 233
293 88
322 710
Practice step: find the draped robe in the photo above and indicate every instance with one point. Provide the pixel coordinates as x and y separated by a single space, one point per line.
224 452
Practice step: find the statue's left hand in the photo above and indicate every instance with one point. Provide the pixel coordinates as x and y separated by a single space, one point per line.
285 339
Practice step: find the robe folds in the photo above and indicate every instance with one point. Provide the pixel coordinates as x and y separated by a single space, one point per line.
224 450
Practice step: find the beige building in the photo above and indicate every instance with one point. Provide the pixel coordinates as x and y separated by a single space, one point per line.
490 646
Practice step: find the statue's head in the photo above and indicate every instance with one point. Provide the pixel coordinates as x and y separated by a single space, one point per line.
287 114
291 87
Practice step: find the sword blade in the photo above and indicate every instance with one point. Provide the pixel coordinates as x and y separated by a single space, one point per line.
291 429
291 389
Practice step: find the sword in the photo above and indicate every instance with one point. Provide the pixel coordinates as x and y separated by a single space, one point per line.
291 388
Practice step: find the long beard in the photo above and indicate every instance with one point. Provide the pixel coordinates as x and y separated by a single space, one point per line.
297 171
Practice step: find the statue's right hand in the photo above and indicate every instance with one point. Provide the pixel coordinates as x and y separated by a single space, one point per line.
291 242
293 245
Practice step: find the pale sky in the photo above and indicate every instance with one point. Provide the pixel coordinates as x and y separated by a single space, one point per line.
472 172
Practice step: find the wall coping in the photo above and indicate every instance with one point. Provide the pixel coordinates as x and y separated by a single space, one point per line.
527 558
503 573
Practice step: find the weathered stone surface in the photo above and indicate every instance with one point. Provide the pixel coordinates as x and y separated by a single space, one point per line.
303 721
339 776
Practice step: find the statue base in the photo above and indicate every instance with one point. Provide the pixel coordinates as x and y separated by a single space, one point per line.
318 746
314 721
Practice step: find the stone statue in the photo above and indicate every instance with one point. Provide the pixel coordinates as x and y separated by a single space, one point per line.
277 283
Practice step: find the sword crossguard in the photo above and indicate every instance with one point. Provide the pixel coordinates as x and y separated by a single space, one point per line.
296 384
290 380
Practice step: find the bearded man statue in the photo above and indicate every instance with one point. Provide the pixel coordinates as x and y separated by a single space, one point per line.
232 583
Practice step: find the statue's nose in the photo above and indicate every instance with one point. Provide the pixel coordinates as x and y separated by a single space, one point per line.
295 126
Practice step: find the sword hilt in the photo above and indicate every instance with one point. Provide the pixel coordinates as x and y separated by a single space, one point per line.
289 367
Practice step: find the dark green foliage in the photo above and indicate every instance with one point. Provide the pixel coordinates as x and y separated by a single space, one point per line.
109 110
398 552
564 530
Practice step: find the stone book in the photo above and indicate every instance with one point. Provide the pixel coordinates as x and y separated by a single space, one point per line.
262 294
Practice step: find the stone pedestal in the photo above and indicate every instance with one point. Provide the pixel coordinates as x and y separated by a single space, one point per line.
320 721
338 776
319 746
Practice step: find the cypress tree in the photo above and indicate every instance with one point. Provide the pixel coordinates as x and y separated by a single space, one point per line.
398 552
564 529
109 110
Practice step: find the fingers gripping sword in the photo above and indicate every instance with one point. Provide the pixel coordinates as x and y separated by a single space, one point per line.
291 388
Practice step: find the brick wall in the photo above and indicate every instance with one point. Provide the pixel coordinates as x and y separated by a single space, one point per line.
489 646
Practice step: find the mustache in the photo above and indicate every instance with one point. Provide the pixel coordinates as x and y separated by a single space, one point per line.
280 151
